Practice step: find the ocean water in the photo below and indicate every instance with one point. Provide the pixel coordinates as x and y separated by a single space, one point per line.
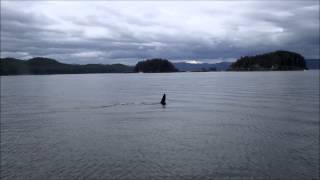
216 125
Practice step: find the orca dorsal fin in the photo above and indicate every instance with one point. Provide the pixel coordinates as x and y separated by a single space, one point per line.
163 100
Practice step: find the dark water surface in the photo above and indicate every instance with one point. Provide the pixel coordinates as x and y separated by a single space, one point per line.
111 126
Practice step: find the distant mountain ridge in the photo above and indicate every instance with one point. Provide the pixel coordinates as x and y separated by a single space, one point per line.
40 65
313 63
184 66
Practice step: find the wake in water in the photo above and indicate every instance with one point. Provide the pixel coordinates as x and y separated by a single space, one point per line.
119 104
163 102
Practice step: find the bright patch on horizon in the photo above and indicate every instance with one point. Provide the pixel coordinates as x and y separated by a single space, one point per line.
194 62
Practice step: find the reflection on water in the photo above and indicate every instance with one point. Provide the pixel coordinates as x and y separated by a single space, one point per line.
112 126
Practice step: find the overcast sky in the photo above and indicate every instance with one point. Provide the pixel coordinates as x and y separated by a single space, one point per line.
129 31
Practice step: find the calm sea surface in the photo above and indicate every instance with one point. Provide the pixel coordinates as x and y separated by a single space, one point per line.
111 126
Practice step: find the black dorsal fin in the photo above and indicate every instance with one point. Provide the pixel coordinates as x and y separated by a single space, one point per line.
163 100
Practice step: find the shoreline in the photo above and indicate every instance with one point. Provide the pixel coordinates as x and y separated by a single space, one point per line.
157 72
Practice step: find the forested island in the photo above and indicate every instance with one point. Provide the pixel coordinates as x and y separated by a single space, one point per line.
155 66
275 61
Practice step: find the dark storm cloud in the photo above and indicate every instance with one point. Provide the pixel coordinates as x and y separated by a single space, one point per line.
111 32
300 24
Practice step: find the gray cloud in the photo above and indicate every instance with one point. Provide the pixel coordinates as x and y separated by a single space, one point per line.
125 32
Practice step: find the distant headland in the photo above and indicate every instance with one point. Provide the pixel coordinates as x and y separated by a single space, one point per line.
273 61
40 65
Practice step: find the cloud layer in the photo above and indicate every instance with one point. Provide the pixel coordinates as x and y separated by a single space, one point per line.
126 32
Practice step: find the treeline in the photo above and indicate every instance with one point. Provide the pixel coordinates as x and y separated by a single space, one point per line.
278 60
39 65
